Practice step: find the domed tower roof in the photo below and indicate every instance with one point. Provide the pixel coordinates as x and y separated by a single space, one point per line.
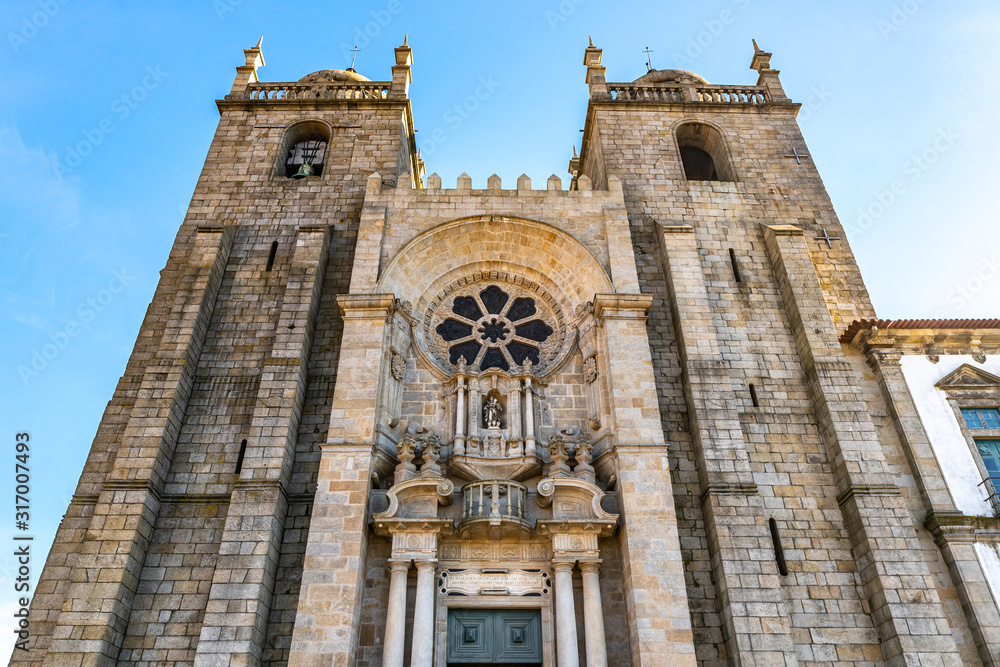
670 76
327 75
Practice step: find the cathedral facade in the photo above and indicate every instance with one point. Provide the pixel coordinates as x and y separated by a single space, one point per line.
644 417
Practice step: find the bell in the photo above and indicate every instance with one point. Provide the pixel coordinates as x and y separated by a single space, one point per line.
305 170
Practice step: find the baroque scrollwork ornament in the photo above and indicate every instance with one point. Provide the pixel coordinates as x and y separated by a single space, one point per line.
397 366
590 369
431 455
559 451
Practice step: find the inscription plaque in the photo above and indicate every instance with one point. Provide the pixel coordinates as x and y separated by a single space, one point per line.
487 582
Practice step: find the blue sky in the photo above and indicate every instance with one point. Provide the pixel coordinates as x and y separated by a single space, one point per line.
109 112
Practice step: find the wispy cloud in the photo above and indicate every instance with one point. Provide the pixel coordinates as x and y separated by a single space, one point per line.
31 186
39 209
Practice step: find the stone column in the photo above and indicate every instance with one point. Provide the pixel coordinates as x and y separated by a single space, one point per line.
423 616
567 654
460 414
952 531
514 420
472 414
395 619
529 419
401 76
595 73
957 538
593 615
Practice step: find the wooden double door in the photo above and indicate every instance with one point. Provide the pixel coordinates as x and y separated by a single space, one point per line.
511 637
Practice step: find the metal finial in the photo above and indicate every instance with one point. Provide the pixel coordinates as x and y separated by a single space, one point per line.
354 59
649 61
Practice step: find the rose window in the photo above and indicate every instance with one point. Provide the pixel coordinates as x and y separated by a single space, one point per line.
492 329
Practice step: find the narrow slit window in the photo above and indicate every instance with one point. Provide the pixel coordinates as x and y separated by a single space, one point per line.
779 552
271 255
753 396
736 267
239 458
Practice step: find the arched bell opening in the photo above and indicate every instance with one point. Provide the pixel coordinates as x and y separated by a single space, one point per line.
703 153
303 150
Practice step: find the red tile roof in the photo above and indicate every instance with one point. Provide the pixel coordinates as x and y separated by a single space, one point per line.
858 325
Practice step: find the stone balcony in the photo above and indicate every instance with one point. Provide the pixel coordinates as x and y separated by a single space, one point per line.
494 509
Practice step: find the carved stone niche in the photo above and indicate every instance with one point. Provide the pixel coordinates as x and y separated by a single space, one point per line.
494 424
578 519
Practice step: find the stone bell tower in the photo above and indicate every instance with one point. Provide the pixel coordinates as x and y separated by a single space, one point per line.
371 421
212 438
774 449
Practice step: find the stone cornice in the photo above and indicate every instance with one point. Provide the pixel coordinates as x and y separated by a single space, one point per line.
955 527
366 306
867 490
599 528
785 230
924 336
726 489
622 306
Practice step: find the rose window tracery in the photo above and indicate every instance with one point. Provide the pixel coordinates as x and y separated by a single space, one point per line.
496 326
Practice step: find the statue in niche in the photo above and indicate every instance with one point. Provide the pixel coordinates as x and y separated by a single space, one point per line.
491 412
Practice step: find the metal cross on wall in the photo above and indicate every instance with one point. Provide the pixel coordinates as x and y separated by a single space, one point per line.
649 61
826 237
354 59
797 155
